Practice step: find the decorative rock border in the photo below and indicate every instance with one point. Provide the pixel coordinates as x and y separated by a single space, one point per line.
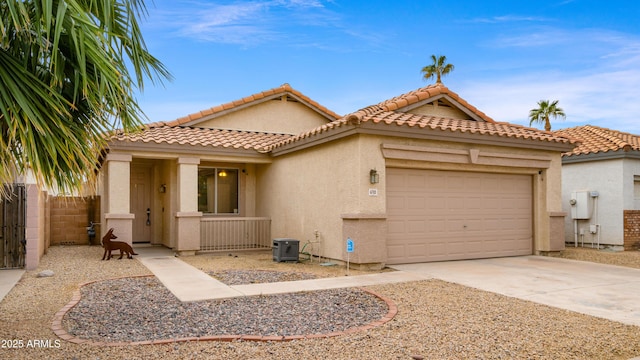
58 329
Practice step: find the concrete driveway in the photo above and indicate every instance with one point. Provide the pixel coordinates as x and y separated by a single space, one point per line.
610 292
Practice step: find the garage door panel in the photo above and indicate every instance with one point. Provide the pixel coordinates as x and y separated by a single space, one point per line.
436 227
474 203
447 215
395 253
437 183
492 224
455 203
455 184
416 226
437 204
416 181
417 203
395 227
395 202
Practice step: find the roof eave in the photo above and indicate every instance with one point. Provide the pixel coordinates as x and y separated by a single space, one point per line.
172 151
256 99
315 139
602 155
467 137
421 133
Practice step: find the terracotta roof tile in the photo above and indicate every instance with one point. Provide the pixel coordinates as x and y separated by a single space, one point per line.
427 92
161 133
386 113
379 115
596 139
285 88
408 120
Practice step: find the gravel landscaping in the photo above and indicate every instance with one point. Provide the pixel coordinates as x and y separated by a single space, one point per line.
153 313
435 320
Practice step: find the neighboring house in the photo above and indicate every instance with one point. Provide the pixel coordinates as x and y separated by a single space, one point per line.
601 188
424 176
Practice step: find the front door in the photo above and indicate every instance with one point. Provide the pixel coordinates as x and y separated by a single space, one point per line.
141 202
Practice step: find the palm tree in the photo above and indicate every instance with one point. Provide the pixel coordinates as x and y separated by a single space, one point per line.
438 68
65 81
545 110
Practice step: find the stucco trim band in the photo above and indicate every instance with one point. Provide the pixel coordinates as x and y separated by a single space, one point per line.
119 216
171 151
363 216
119 157
471 156
188 214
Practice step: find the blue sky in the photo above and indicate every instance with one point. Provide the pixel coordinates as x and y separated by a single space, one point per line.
346 55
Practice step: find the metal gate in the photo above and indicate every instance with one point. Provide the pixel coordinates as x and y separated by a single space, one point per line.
13 242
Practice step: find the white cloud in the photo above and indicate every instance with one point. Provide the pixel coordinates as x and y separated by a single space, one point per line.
301 3
593 73
606 98
234 23
245 22
530 38
507 19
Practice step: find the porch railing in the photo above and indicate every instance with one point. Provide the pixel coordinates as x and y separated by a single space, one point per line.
222 234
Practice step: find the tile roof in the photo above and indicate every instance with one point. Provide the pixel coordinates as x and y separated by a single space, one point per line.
282 89
387 113
205 137
596 139
425 93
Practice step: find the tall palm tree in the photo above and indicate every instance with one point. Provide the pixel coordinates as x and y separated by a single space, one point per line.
68 72
438 67
544 111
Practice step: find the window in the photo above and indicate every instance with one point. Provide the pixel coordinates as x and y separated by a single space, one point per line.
218 190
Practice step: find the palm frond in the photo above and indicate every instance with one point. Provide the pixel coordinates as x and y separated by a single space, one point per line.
65 80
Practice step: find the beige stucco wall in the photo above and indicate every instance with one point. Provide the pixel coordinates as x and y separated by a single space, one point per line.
433 109
277 116
309 190
326 188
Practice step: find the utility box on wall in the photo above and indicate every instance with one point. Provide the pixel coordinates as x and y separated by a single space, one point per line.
581 205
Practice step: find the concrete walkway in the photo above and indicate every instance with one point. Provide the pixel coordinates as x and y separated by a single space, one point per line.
9 279
190 284
610 292
605 291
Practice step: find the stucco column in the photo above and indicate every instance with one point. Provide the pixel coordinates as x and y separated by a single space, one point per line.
548 215
118 208
34 231
368 232
187 216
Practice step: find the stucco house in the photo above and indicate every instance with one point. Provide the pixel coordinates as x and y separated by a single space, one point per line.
424 176
601 188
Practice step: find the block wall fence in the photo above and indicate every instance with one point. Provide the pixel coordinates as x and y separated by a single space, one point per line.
69 217
632 230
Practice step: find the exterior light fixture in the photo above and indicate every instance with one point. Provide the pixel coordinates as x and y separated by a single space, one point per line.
163 188
374 178
222 173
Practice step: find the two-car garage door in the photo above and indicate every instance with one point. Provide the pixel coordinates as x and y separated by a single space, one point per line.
451 215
